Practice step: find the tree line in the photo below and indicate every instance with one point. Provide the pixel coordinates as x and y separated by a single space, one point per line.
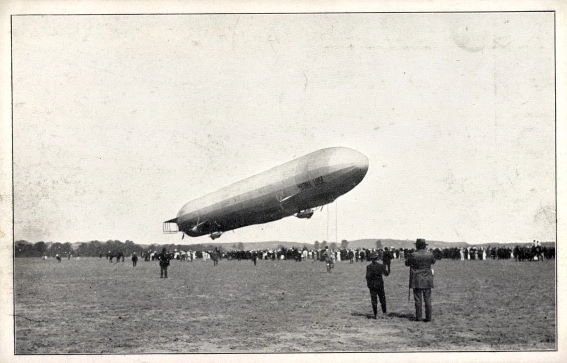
24 248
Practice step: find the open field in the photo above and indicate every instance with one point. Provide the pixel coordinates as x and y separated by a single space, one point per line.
89 305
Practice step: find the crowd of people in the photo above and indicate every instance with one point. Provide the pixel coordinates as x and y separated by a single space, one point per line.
524 252
533 252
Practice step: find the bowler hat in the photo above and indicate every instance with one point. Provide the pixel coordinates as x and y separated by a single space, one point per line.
420 242
374 256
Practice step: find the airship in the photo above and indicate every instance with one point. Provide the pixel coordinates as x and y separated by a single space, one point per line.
297 187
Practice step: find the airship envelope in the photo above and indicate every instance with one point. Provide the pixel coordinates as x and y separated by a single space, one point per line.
293 188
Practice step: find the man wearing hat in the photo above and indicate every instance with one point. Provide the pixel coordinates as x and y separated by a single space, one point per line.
164 259
421 278
375 283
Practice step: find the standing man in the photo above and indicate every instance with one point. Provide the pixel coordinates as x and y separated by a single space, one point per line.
329 260
215 255
387 259
375 283
421 277
134 259
163 258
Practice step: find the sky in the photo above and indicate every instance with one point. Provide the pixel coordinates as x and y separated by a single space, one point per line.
120 120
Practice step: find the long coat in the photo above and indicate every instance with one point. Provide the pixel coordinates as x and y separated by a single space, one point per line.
164 259
386 257
374 272
421 276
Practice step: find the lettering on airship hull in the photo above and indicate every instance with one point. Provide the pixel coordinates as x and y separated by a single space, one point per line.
312 183
276 193
304 186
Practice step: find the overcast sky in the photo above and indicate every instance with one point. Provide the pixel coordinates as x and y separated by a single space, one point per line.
120 120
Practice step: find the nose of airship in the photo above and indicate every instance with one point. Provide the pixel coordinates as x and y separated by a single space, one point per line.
360 162
345 158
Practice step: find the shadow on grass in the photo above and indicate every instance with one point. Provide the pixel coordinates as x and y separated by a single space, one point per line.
407 316
366 315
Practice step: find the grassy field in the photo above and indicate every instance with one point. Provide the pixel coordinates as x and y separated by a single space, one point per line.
89 305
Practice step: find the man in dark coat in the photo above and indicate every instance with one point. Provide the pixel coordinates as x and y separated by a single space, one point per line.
134 259
375 283
387 258
163 258
421 278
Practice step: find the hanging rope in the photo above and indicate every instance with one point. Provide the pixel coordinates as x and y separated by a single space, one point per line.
327 239
337 222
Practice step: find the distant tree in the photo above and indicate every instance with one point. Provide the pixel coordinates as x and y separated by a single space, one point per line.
92 248
40 248
323 244
379 244
23 249
333 245
67 248
344 243
240 246
85 249
56 249
96 248
114 246
316 245
129 247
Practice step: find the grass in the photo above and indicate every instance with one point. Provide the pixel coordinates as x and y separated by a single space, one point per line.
89 305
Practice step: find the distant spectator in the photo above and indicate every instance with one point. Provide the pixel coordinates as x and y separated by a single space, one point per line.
134 259
164 259
387 259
